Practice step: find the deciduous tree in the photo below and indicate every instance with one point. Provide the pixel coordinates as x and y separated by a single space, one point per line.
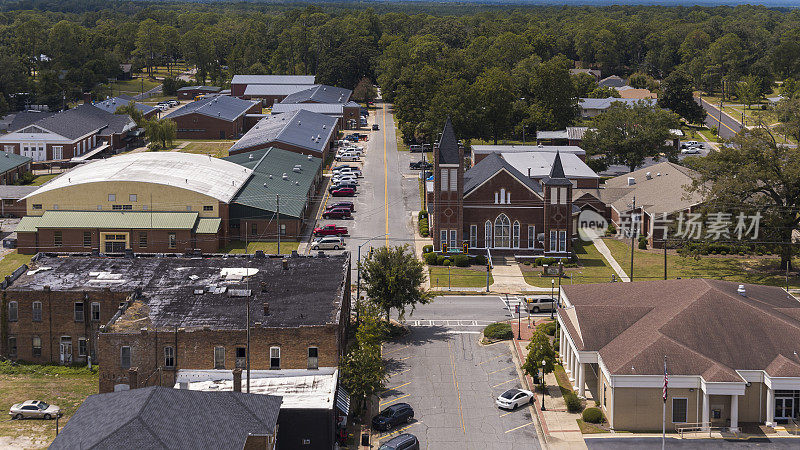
677 96
539 349
393 277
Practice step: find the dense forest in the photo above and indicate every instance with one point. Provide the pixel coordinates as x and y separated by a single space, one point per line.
494 69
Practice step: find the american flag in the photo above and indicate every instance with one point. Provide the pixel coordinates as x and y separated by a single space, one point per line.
666 379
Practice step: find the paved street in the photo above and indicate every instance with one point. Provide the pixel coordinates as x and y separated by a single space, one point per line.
672 443
451 381
728 128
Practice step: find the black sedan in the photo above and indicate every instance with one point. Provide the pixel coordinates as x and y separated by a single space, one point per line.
420 165
392 416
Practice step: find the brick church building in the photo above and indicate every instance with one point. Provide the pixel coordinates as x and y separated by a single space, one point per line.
493 205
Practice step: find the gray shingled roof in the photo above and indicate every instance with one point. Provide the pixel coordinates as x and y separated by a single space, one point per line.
220 106
159 417
22 119
703 326
335 109
304 129
320 93
273 79
605 103
488 167
448 145
111 105
200 88
85 119
612 81
664 192
11 191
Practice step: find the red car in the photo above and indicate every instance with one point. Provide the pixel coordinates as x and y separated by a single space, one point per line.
343 192
330 230
336 213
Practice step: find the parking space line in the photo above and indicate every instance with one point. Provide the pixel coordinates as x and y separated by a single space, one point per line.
396 350
403 359
398 431
382 404
455 382
398 387
503 415
504 382
521 426
398 373
498 370
490 360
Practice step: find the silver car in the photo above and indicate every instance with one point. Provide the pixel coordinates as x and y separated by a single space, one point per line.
34 409
328 243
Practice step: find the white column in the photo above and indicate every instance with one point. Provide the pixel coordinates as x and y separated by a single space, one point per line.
770 408
561 344
706 410
734 413
581 379
572 372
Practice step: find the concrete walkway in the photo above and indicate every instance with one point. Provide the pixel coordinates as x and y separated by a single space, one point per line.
508 278
603 249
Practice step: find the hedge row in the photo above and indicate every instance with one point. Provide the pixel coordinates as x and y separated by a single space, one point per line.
498 331
423 228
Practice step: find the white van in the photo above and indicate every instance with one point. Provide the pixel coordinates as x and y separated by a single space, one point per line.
328 243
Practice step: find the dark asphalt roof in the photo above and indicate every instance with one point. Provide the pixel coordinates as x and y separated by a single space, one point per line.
200 88
24 118
220 106
320 93
308 293
10 191
301 128
448 145
488 167
612 81
703 326
111 105
557 177
9 161
164 418
85 119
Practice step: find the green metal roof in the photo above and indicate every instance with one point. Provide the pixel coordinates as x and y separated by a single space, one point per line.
9 161
113 219
28 224
260 190
208 225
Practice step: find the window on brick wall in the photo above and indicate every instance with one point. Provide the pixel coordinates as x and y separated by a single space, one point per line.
142 239
78 311
87 238
82 346
58 240
241 357
37 311
36 342
172 240
219 357
13 312
275 358
95 311
12 346
313 358
208 208
125 357
169 356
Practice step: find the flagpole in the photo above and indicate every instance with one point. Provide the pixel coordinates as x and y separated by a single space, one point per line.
664 408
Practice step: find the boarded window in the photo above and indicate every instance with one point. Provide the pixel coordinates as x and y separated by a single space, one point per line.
37 311
679 408
313 357
125 357
169 357
13 312
219 357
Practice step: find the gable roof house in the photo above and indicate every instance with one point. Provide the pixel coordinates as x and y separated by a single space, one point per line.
112 103
730 352
12 167
163 418
269 89
213 117
591 107
301 131
613 81
81 132
661 192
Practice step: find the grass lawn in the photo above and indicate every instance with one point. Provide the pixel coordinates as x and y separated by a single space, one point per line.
67 389
215 149
42 179
398 135
134 86
592 269
649 265
699 134
270 248
590 428
12 261
459 277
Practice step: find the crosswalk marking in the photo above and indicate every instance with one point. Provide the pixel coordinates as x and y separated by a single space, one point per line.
448 323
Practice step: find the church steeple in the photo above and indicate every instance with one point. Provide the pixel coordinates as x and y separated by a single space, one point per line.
557 176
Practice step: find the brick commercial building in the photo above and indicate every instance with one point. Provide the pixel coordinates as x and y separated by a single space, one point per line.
347 114
213 117
170 202
12 167
12 203
162 314
731 352
301 131
82 131
494 206
111 105
320 93
161 418
269 89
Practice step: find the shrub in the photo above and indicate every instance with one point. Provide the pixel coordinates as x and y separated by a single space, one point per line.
422 215
427 249
461 260
642 244
498 331
540 261
446 262
592 415
480 260
423 228
440 260
574 404
430 258
548 327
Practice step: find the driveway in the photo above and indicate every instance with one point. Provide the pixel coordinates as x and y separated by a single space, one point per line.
451 380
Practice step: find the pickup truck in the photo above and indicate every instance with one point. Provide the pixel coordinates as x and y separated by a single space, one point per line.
330 230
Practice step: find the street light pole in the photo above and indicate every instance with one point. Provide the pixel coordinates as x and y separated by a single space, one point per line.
358 283
543 386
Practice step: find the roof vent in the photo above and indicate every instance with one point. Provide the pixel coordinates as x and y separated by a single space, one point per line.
631 181
250 157
309 157
285 176
265 184
658 174
296 170
266 308
648 175
540 146
297 183
741 290
285 264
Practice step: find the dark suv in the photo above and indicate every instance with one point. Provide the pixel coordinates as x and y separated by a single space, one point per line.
336 213
393 416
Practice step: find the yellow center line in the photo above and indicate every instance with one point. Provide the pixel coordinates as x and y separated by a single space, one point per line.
396 350
393 400
385 179
504 382
398 431
718 121
503 415
458 391
498 370
398 387
490 360
517 428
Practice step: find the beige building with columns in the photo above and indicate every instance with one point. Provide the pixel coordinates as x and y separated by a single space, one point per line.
731 352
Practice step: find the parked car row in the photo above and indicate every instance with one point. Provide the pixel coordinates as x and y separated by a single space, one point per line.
691 147
420 165
163 106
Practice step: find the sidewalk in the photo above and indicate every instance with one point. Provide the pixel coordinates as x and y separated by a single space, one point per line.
603 249
508 278
419 243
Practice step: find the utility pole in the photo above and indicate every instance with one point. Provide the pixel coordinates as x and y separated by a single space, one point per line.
719 128
665 258
248 338
633 224
278 207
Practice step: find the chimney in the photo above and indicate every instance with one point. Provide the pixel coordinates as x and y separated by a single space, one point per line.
741 290
631 181
285 264
237 380
87 98
133 377
266 308
648 175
